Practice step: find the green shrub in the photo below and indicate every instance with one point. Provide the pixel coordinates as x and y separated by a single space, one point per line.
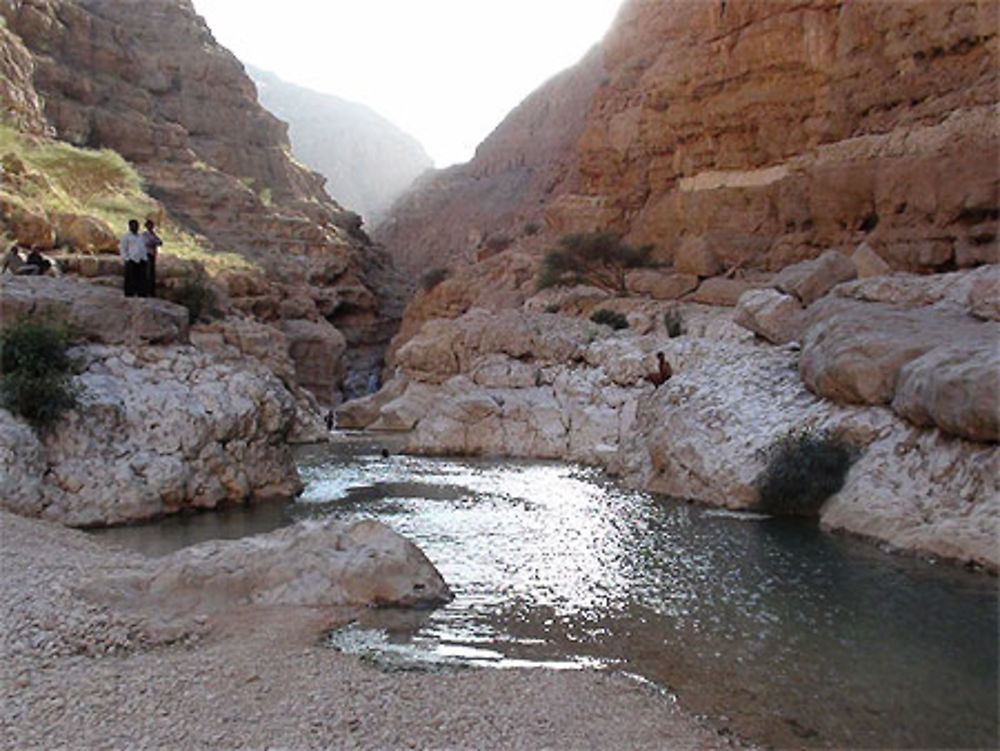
36 381
599 258
532 228
497 243
194 292
610 318
674 321
803 470
432 278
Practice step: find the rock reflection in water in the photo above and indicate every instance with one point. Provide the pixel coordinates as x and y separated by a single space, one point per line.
789 635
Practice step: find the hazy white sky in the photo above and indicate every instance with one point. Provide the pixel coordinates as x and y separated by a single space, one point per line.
445 71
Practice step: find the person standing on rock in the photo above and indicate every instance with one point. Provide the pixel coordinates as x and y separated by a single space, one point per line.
153 242
133 249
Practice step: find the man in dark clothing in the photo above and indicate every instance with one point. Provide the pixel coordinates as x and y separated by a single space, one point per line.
153 243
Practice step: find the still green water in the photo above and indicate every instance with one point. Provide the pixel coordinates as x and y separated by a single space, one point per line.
784 634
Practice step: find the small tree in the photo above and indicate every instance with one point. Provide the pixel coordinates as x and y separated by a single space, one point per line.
194 291
600 259
36 380
611 318
803 470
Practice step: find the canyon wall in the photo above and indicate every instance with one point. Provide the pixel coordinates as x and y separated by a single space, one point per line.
367 161
759 133
147 80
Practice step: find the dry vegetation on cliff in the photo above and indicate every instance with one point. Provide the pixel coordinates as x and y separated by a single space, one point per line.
50 189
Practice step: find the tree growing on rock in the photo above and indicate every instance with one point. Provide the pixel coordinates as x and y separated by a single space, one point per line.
600 259
36 381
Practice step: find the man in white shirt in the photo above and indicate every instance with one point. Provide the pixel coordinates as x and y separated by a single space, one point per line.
133 249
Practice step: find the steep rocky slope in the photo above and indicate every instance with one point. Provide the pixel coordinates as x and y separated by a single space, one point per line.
746 134
367 161
148 80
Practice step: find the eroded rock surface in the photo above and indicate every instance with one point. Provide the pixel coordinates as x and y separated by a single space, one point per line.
316 564
525 384
156 430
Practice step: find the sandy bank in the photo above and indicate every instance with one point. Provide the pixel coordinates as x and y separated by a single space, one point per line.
77 674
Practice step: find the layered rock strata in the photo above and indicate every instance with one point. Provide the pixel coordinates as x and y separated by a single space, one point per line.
738 138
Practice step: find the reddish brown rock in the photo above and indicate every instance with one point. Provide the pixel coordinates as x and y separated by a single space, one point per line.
721 291
696 257
316 348
660 286
954 387
769 313
810 280
775 131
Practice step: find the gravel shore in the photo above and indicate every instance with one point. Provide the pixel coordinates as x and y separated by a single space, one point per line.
79 675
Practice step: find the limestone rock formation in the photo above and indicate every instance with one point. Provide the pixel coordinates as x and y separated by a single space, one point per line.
542 385
98 313
769 313
934 367
316 564
811 280
367 161
157 429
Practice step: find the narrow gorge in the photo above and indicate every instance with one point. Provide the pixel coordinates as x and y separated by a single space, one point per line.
734 226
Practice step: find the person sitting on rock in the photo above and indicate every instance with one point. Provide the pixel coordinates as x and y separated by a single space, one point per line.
14 264
663 373
37 260
133 250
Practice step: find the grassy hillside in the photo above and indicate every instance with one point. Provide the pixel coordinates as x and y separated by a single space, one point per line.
46 181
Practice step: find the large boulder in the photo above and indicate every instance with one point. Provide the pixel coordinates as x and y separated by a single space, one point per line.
660 286
769 313
810 280
854 351
100 314
695 256
315 564
955 387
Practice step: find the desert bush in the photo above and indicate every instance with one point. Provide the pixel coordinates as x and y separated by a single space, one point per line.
532 228
599 258
804 468
674 321
610 318
36 381
497 243
194 291
432 278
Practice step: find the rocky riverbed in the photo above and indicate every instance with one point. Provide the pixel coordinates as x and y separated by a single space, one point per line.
80 673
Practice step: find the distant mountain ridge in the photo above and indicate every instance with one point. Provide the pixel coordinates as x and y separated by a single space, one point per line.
367 160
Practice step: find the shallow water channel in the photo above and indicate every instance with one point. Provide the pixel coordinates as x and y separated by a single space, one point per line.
786 635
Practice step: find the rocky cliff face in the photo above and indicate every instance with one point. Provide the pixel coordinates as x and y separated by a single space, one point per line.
761 133
367 161
147 80
454 215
